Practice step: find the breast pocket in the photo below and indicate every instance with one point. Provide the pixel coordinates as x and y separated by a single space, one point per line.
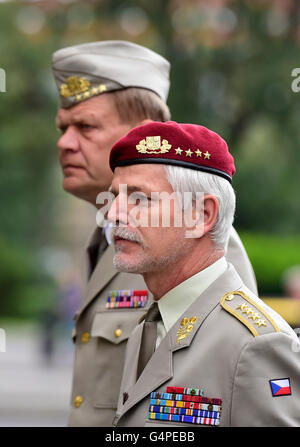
110 331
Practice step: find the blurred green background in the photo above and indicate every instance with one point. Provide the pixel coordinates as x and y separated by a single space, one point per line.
231 71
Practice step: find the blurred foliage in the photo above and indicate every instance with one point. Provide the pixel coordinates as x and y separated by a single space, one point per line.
231 71
271 257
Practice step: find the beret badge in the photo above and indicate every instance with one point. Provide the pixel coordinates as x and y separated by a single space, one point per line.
153 145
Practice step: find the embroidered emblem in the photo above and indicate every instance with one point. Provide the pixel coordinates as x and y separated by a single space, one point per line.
183 407
74 86
118 299
186 326
188 153
178 151
249 312
80 88
153 145
280 387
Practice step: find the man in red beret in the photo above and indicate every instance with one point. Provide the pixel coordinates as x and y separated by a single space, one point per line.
208 351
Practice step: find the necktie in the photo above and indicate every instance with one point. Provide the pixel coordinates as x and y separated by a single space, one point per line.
95 252
149 336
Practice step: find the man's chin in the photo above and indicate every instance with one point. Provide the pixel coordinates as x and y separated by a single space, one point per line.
126 266
77 189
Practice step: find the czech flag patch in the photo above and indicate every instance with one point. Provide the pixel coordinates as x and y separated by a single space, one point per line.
280 387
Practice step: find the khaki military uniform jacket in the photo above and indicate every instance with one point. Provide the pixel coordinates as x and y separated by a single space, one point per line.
99 347
227 354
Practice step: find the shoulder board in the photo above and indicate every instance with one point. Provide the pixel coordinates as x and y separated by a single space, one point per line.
246 310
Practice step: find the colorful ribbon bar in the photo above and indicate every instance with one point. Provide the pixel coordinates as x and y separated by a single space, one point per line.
182 390
118 299
181 404
188 419
184 411
185 397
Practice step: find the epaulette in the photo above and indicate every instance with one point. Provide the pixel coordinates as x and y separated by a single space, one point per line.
246 310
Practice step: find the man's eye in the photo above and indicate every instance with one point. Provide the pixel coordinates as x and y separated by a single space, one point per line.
86 126
139 198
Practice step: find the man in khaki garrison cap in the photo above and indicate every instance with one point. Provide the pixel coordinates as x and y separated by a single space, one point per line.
105 89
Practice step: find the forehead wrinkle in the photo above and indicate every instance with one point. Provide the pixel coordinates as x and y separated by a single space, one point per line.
82 116
67 116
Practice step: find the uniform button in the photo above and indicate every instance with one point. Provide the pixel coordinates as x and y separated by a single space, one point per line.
118 333
78 401
85 336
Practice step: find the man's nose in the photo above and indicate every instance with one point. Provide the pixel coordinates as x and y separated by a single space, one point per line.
117 214
69 140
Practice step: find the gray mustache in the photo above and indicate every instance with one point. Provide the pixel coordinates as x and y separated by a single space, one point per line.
125 234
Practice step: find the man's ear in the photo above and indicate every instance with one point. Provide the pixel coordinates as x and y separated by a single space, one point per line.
205 217
211 211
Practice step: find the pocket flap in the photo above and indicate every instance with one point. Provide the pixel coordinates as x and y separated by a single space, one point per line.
115 325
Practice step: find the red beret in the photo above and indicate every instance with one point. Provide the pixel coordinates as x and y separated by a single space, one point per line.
187 145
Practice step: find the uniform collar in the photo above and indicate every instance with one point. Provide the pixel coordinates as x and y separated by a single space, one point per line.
175 302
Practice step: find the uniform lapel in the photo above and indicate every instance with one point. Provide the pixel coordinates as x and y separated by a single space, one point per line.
160 367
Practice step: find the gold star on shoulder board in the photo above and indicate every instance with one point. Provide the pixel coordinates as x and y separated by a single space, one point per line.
102 88
207 155
198 153
188 153
178 151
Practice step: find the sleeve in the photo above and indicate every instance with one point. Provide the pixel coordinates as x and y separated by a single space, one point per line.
237 256
271 357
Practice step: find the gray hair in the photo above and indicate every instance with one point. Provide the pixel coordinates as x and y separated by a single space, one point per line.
189 180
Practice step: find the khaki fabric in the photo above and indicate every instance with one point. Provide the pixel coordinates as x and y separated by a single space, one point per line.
221 356
98 364
237 255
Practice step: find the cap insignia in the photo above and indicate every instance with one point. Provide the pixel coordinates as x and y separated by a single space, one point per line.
74 86
153 145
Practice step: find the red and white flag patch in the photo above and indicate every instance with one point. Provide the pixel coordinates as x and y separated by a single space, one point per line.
280 387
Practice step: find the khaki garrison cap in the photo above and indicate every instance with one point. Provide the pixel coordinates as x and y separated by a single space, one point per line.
83 71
